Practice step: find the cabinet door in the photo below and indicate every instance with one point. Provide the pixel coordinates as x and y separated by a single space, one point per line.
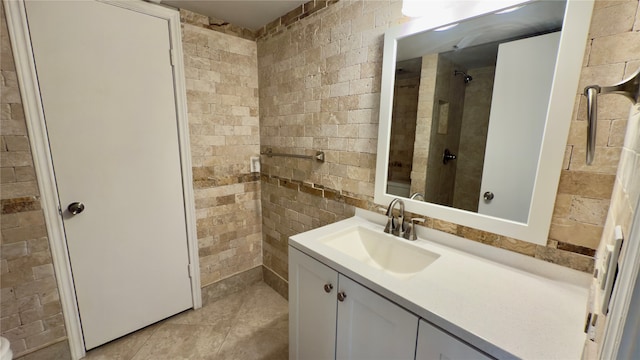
372 327
435 344
312 308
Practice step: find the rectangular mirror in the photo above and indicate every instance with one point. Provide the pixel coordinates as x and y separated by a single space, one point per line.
465 128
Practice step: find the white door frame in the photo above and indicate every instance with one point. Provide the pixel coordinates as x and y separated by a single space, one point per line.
39 142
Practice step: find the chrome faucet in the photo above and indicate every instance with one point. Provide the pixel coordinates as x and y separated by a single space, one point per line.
395 226
416 195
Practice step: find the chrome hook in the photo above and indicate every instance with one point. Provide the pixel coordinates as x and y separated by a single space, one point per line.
629 88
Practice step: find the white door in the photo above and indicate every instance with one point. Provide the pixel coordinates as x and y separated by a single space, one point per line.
372 327
522 86
312 308
106 85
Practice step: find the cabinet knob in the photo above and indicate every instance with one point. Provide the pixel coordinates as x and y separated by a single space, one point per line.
341 296
328 287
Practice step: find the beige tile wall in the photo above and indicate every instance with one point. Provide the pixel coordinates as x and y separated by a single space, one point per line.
473 138
319 89
222 94
585 191
30 310
449 93
291 207
424 122
278 25
403 131
625 197
626 187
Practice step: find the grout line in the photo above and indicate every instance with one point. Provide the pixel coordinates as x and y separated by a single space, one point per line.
235 321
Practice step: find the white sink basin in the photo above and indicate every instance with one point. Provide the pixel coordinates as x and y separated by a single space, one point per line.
387 252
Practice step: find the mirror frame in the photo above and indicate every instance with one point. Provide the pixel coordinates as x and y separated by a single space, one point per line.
569 62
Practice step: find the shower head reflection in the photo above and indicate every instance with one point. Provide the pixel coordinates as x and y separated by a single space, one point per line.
466 77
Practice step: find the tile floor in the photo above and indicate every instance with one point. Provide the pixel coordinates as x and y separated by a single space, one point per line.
251 324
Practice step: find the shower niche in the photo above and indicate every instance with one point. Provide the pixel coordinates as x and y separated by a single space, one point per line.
444 112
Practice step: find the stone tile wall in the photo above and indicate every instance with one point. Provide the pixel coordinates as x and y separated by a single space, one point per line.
473 138
625 197
626 187
424 122
319 89
448 94
30 310
584 193
284 22
289 208
222 94
403 131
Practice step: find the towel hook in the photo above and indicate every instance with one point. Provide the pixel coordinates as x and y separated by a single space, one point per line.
630 88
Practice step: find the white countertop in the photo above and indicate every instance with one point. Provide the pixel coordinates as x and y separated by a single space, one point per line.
504 310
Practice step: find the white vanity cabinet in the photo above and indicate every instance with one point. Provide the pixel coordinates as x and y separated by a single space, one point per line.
372 327
332 316
312 308
435 344
474 306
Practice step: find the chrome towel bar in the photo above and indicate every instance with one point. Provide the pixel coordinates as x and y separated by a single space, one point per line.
319 156
629 88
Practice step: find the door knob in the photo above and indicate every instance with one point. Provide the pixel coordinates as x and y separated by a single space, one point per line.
342 296
76 208
488 196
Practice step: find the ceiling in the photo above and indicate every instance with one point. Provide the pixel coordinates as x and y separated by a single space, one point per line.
250 14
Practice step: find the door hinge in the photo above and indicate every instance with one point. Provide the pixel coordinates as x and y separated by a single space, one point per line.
172 56
190 270
60 210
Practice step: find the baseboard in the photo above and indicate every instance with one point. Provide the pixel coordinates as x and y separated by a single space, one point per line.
230 285
276 282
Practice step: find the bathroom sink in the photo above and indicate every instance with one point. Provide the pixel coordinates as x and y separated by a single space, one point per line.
390 253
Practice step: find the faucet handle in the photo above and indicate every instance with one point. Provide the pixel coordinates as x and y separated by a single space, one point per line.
411 232
400 226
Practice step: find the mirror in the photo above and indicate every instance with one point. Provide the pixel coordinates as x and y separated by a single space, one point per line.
449 97
464 115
